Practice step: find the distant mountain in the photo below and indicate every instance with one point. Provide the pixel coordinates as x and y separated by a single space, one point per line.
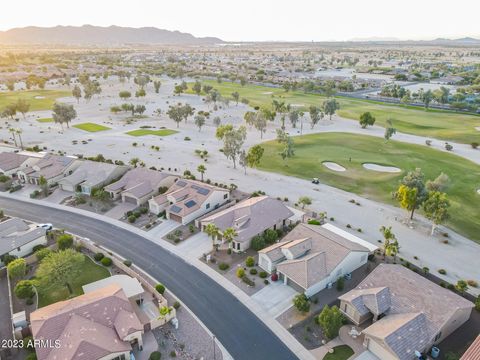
374 39
97 35
465 40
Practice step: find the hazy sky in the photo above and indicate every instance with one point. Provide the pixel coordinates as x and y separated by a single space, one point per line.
260 19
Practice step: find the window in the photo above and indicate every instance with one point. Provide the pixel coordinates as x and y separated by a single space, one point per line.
225 196
275 227
207 206
238 246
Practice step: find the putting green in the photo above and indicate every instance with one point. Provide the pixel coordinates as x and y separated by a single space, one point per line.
144 132
438 124
45 120
91 127
38 99
353 151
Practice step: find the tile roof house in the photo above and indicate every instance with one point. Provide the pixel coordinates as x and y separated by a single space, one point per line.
186 200
52 167
11 162
138 185
249 218
312 256
98 325
409 312
19 238
473 352
90 175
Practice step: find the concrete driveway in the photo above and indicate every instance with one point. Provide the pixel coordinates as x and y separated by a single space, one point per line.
58 196
275 298
119 210
196 245
159 231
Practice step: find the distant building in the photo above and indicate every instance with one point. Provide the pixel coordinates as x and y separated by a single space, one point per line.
52 167
473 352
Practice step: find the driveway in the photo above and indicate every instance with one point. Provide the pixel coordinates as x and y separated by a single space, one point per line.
119 210
196 245
159 231
275 298
58 196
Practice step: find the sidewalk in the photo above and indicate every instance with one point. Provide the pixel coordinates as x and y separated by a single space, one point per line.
270 322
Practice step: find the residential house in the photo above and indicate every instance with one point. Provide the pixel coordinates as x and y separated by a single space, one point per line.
473 352
11 162
408 312
90 175
311 257
52 167
130 285
101 324
138 185
187 200
249 218
18 238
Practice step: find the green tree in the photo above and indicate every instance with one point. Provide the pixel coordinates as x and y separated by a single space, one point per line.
254 155
22 106
412 192
134 161
156 85
389 130
436 208
24 289
316 115
175 112
63 113
64 241
367 119
201 169
427 98
124 95
305 200
236 97
301 303
330 320
197 87
199 121
330 106
407 197
390 242
229 234
43 183
60 268
77 93
17 268
461 286
233 140
19 134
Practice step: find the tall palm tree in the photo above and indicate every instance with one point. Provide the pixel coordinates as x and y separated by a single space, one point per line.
201 169
212 231
19 133
229 234
13 132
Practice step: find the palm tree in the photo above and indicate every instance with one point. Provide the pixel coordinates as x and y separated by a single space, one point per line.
212 231
393 249
201 169
389 240
13 132
43 184
19 133
134 161
229 234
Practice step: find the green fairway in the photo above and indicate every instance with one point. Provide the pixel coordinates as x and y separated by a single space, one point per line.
432 123
45 120
143 132
90 272
342 352
38 99
351 151
91 127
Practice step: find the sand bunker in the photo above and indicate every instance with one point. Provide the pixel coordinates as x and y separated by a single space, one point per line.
268 93
381 168
333 166
297 105
477 128
478 191
39 97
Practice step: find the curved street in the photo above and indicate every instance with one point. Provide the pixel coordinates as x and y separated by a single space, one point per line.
243 334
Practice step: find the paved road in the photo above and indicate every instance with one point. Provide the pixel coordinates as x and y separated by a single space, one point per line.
237 328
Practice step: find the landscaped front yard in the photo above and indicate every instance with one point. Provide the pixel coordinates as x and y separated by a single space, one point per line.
143 132
90 272
91 127
342 352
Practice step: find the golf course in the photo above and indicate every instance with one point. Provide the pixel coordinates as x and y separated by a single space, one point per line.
38 99
353 152
445 125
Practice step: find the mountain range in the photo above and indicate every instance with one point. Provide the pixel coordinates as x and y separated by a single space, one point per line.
97 35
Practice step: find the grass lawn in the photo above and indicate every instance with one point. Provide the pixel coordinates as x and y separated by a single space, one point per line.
90 272
143 132
45 120
342 352
91 127
45 99
312 150
439 124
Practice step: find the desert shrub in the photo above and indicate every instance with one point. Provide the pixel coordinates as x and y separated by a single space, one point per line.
253 271
477 303
98 256
176 305
156 355
314 222
442 271
42 253
301 303
132 218
7 258
106 261
270 236
250 261
248 281
257 243
223 266
266 282
263 274
127 263
340 283
65 241
24 289
240 272
160 288
474 145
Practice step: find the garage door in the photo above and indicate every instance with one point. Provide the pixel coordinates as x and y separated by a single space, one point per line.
379 351
67 187
130 200
175 217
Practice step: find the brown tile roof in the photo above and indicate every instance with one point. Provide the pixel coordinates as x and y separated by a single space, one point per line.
306 271
89 326
11 160
473 352
250 217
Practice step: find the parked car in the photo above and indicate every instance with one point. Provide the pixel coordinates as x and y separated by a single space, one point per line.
315 181
46 226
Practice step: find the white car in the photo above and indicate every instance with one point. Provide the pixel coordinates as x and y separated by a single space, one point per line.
46 226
